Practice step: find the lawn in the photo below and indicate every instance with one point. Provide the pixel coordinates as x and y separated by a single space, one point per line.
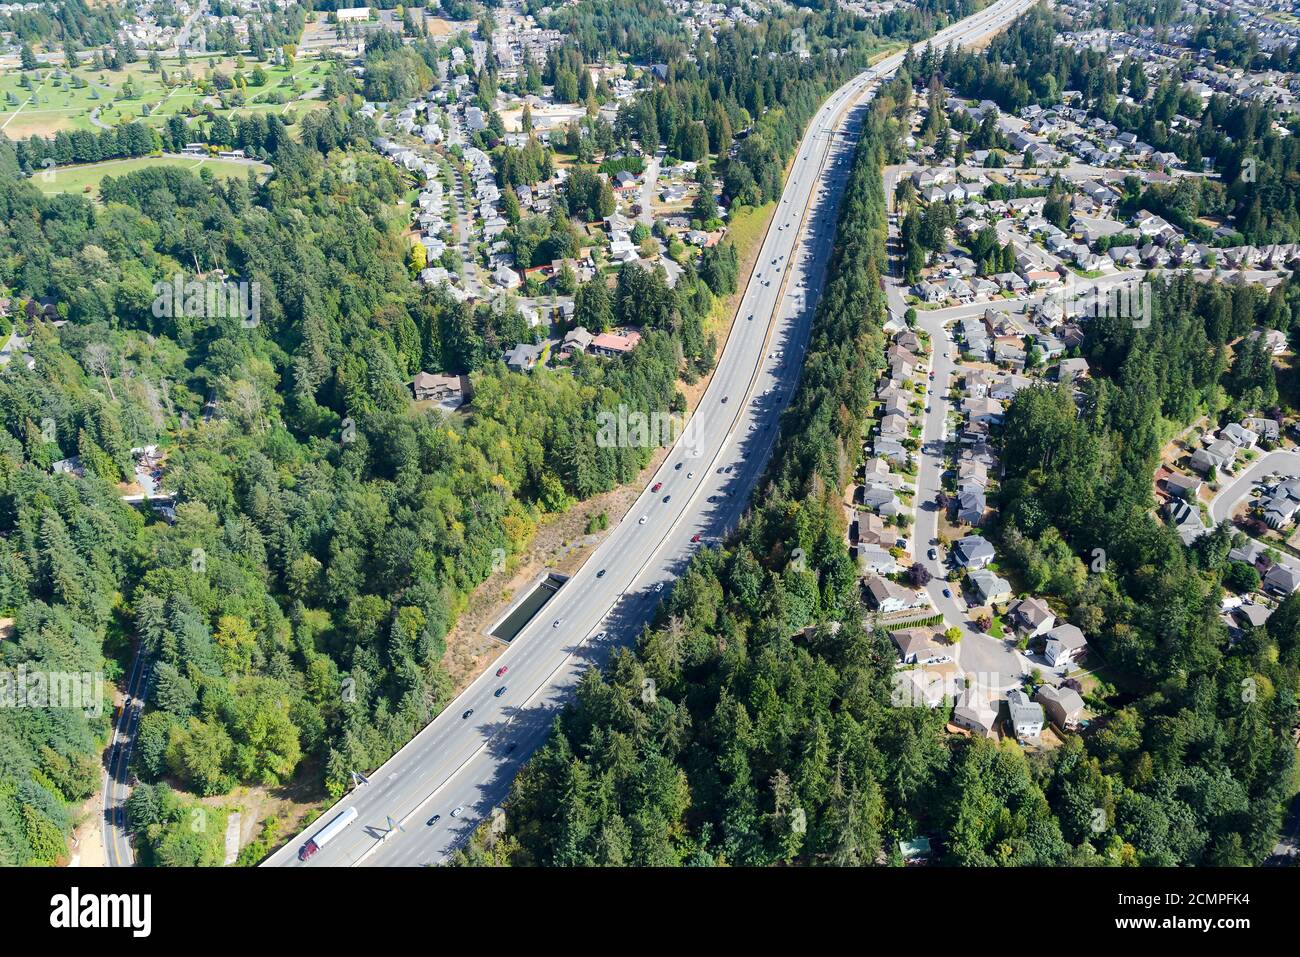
745 229
86 177
52 104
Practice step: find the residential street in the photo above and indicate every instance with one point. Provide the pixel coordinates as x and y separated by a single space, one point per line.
996 662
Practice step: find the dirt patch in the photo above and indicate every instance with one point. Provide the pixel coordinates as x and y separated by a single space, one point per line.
87 844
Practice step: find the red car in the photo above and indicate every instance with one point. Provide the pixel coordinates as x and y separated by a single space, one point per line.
502 670
657 486
695 537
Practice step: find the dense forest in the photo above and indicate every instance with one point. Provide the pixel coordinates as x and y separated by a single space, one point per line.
1194 757
325 536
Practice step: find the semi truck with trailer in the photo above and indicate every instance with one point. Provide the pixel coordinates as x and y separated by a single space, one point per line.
326 834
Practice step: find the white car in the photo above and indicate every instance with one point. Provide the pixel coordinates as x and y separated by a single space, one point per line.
643 520
460 808
690 475
556 623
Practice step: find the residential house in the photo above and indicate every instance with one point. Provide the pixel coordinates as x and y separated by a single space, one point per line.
971 505
987 588
874 559
920 646
1063 706
613 344
973 552
1026 716
1064 646
886 596
974 714
1031 617
522 357
431 387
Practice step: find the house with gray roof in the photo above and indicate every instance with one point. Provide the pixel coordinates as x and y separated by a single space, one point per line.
973 551
1026 716
987 588
1065 644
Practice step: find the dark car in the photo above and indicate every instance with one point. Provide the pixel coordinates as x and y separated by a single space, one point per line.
499 692
513 745
677 467
933 554
433 820
947 593
467 713
666 498
601 573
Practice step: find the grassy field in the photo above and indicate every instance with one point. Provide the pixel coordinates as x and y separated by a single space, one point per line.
52 104
746 228
86 178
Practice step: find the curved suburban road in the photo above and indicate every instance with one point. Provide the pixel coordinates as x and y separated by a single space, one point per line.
1282 461
464 762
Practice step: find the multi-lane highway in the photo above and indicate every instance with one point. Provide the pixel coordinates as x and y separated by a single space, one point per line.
461 765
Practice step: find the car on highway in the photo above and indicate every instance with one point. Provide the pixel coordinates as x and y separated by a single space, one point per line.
677 467
713 499
433 820
695 537
599 636
725 398
557 623
666 498
499 692
689 476
460 809
502 670
643 520
728 469
933 554
749 318
657 486
468 712
947 593
601 573
927 408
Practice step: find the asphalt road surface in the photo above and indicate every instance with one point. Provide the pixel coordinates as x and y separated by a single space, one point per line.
464 765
